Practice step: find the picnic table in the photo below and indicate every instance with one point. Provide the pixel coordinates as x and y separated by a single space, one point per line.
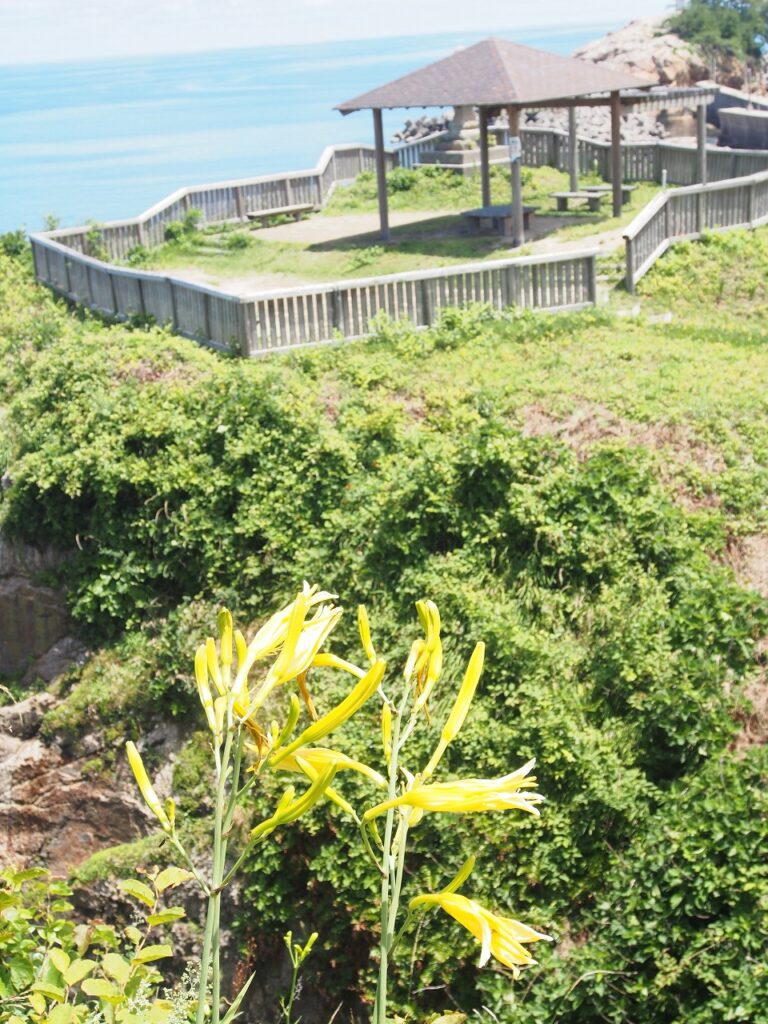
497 219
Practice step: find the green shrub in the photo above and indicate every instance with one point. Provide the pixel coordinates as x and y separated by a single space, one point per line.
14 243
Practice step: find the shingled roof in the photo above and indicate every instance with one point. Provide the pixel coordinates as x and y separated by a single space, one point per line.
494 73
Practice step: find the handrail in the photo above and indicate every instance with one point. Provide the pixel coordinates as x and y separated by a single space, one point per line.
686 213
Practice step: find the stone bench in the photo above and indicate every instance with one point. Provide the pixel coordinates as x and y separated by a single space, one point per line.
626 191
294 211
497 219
592 199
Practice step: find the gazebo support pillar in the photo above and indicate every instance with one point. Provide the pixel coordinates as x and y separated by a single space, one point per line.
701 142
573 152
381 174
518 234
616 152
485 170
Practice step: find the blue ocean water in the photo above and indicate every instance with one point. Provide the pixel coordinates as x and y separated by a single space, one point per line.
106 139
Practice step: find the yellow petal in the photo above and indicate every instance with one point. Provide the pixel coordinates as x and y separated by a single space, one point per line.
333 719
460 707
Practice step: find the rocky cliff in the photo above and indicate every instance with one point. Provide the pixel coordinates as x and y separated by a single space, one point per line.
645 49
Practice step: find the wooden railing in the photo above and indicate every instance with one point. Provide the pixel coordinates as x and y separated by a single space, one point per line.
257 324
222 201
685 213
66 259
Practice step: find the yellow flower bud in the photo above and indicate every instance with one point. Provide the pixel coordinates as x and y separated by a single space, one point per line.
365 633
145 786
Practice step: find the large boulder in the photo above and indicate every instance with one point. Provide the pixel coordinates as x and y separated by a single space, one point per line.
643 48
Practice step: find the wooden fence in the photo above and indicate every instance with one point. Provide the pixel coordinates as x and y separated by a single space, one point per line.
257 324
685 213
221 202
66 259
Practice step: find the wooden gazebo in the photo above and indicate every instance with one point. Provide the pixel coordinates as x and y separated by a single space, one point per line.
493 75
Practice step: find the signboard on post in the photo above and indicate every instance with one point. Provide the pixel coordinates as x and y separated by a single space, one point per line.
515 148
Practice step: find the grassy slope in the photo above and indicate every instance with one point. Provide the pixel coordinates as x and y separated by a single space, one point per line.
588 554
362 257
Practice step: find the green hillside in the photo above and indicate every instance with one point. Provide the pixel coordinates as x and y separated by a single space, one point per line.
585 492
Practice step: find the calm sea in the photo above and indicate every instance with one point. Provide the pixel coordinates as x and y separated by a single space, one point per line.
104 140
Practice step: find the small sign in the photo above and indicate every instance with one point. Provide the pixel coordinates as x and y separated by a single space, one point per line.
515 148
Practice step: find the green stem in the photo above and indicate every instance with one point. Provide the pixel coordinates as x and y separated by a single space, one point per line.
294 980
380 1006
210 953
220 854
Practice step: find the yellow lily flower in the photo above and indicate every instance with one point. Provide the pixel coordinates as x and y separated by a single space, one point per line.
460 707
469 795
333 719
299 650
318 758
501 937
151 798
274 633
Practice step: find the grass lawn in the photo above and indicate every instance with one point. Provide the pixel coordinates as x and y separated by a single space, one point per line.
235 251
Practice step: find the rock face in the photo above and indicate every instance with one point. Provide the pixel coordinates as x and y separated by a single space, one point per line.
34 622
51 811
645 50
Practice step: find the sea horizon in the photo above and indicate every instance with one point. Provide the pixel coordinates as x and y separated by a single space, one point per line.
104 139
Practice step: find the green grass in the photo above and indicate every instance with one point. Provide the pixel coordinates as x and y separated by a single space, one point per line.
238 252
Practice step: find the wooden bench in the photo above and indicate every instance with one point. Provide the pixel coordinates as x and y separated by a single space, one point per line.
626 191
497 219
592 199
294 211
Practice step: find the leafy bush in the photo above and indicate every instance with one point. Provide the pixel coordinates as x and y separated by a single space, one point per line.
738 27
187 227
14 243
401 179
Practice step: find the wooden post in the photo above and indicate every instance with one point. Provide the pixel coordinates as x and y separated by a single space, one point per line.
485 170
701 142
616 152
381 174
518 234
573 152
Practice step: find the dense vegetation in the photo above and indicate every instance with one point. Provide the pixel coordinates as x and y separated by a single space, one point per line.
735 27
571 489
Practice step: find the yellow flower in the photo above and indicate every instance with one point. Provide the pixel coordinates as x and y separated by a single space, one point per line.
501 937
336 717
145 786
425 661
318 758
469 795
274 632
460 707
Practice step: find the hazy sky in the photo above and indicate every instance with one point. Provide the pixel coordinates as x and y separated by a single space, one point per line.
44 30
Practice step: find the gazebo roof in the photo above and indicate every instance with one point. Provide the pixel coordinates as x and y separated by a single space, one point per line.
494 73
